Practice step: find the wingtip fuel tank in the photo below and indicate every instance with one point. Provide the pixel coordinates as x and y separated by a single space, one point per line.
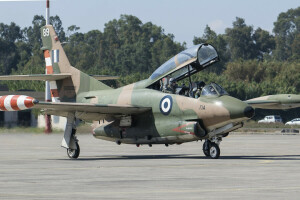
16 102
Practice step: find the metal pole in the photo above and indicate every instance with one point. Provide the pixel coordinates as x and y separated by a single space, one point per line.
47 13
48 128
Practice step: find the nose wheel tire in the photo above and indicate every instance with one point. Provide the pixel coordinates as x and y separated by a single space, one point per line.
211 149
214 150
74 153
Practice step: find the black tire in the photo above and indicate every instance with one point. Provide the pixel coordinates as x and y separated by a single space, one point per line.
205 148
225 135
214 150
74 153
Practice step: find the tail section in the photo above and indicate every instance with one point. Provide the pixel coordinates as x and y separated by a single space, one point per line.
57 62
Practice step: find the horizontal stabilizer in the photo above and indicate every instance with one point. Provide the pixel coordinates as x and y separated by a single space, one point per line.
51 77
36 77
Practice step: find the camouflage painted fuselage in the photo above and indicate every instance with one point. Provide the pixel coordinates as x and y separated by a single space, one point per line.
187 119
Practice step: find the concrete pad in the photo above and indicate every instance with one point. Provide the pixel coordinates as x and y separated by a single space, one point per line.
34 166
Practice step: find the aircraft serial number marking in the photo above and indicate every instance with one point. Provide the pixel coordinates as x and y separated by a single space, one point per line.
202 107
46 32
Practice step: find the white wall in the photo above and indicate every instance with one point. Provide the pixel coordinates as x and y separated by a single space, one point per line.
56 122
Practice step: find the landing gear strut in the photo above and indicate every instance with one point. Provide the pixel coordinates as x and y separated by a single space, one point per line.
211 148
74 153
70 141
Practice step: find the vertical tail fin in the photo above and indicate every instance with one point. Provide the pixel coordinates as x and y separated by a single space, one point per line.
57 62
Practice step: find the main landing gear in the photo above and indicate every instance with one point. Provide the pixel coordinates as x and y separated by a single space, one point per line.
74 153
70 141
211 148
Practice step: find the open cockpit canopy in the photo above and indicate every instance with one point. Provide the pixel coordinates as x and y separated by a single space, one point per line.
186 63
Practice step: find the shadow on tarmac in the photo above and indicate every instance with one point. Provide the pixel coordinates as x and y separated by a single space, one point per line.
185 156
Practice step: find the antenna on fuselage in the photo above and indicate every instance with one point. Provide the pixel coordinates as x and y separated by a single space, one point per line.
48 128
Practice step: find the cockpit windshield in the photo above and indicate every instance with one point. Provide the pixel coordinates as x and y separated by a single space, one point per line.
213 89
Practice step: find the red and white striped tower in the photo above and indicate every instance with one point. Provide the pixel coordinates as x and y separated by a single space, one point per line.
48 128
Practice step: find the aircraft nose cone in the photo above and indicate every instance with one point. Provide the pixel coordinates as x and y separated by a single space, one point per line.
249 112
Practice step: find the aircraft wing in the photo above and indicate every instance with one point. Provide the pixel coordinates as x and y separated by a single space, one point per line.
61 108
279 101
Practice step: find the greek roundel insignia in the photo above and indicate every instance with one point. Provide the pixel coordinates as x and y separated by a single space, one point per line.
166 104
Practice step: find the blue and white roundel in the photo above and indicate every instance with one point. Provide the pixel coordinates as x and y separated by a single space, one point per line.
166 105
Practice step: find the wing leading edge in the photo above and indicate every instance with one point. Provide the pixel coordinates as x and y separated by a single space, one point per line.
62 108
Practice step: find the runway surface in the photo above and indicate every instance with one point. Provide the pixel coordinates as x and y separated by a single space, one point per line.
34 166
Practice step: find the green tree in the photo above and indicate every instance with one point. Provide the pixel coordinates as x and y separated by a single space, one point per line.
296 48
240 41
264 42
32 33
286 29
73 29
31 60
126 46
57 25
9 56
10 33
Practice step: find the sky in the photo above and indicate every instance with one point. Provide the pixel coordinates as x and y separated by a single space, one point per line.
183 18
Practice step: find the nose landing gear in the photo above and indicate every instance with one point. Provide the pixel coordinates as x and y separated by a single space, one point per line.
211 147
214 151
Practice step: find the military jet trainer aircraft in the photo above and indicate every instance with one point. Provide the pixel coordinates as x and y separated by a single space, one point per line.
143 112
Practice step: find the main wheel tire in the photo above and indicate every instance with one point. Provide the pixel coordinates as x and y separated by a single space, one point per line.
214 151
74 153
206 149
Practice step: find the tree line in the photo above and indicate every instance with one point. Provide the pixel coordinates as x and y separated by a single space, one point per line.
253 62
